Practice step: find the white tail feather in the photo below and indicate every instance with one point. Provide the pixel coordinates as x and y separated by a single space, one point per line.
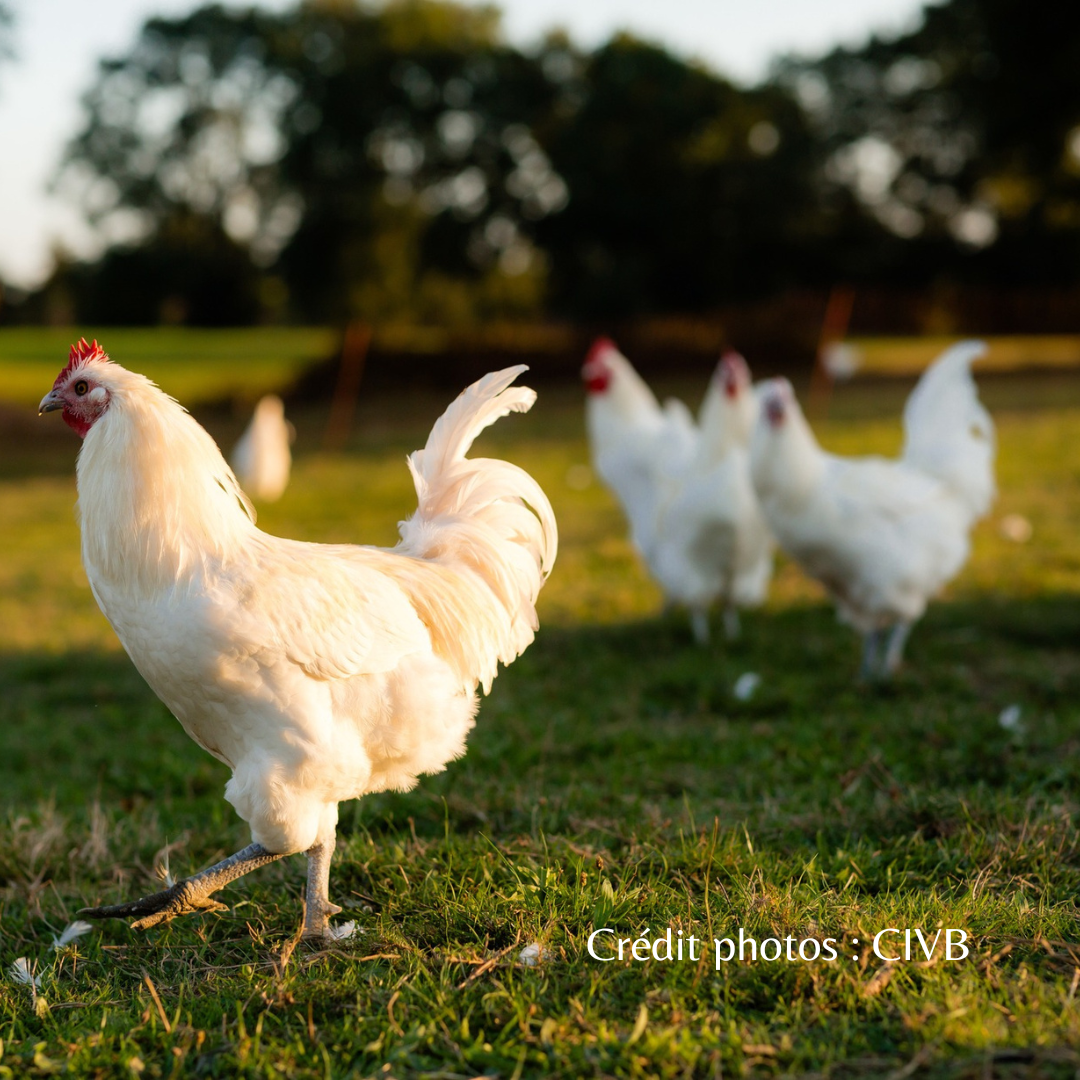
947 431
486 516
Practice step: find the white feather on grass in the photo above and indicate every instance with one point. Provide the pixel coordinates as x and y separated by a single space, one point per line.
1011 719
21 972
746 685
71 932
341 932
531 955
163 873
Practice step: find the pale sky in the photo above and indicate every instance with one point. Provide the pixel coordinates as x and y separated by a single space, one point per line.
59 42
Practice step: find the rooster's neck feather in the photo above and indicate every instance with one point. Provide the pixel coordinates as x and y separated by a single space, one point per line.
156 498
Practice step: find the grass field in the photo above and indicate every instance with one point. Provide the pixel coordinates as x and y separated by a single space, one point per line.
207 366
1012 352
196 365
613 780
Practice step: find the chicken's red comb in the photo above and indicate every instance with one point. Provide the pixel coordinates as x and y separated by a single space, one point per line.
600 346
81 352
730 360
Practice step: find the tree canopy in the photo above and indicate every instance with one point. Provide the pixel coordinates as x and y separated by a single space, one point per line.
367 158
961 138
682 189
405 163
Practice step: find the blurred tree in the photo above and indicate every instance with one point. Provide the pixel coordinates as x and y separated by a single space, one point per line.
192 272
683 189
355 151
961 138
404 163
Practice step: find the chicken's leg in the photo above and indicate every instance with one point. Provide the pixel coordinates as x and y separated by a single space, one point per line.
188 896
869 670
699 624
894 651
732 628
318 907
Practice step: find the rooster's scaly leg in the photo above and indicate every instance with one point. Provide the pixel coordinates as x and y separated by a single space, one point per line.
318 907
699 624
188 896
732 627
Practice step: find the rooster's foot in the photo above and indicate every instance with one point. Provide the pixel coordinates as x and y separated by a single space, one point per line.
184 898
317 905
317 928
190 896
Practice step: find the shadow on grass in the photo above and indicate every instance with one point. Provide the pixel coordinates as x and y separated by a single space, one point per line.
81 726
632 727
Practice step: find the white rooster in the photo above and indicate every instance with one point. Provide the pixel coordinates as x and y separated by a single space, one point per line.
261 458
685 487
882 536
317 673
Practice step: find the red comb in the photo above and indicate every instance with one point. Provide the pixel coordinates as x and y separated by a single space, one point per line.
599 346
81 352
596 373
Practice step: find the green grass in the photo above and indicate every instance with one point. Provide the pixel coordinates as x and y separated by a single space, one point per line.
1007 352
200 366
612 780
195 365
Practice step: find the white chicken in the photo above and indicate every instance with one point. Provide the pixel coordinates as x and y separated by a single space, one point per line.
261 457
637 446
684 487
882 536
317 673
711 542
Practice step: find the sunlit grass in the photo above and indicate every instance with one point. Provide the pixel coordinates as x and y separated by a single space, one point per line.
613 779
1007 352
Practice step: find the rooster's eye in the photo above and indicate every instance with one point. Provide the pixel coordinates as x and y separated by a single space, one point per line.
81 387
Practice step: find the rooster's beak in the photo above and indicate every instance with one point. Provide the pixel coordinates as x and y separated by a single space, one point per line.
50 403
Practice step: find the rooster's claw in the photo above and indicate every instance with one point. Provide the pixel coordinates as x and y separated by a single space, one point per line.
184 898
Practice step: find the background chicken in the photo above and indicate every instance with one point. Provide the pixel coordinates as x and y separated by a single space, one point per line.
685 487
882 536
261 458
637 446
711 542
317 673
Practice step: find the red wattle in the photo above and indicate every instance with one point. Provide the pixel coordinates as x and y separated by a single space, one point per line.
76 423
597 382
